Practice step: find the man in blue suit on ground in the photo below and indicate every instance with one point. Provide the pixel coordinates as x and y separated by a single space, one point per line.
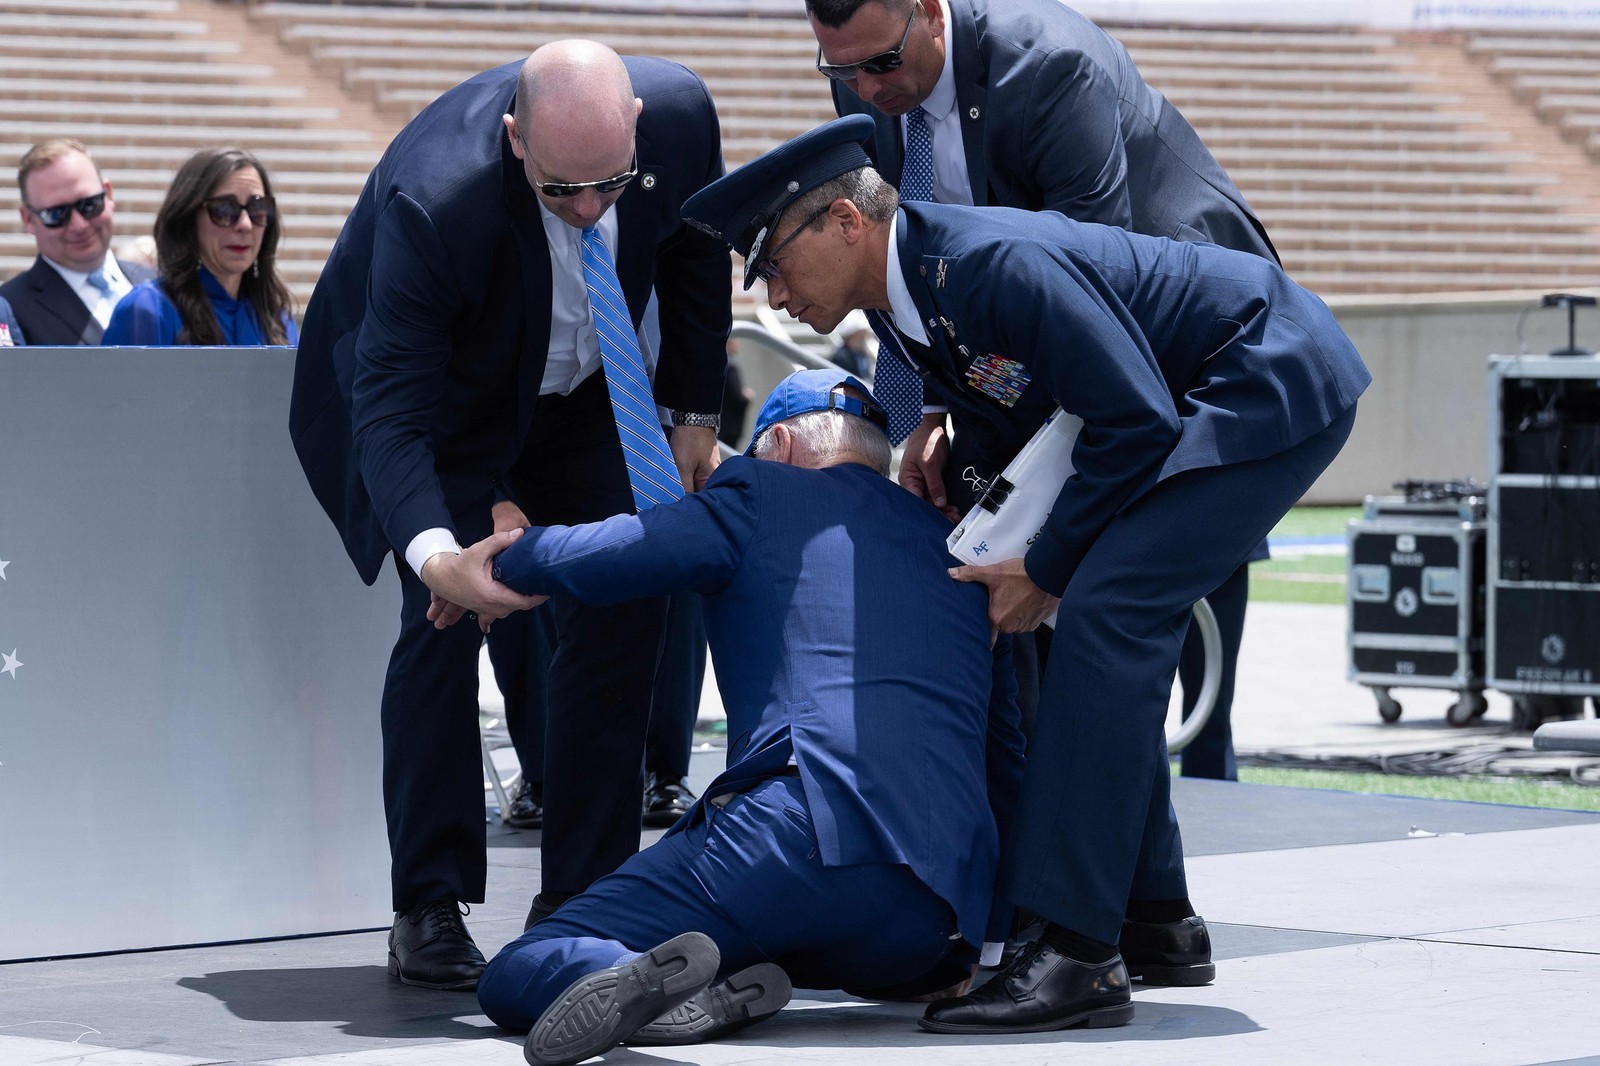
1213 391
872 760
1029 104
449 382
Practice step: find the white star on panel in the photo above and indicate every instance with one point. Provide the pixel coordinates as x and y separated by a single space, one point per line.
11 664
3 564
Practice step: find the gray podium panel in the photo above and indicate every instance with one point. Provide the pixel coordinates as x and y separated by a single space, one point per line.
189 744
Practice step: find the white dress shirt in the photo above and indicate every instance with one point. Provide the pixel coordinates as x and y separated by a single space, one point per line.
574 348
100 304
951 182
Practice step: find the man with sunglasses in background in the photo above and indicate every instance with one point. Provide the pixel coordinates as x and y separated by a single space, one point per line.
1028 104
449 383
67 296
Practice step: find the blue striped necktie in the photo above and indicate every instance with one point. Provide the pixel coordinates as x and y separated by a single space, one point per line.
651 471
896 385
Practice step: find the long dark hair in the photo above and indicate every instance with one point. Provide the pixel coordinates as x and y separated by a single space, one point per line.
178 250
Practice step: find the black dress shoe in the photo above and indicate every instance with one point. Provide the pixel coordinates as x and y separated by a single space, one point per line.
601 1009
1168 953
526 809
749 996
430 947
1043 990
665 800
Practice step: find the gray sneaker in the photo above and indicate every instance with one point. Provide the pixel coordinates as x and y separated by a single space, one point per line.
600 1010
749 996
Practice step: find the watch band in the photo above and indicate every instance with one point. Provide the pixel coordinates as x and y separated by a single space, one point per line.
691 418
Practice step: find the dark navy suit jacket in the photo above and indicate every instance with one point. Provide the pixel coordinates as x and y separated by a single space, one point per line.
840 644
1054 116
424 344
50 312
1177 355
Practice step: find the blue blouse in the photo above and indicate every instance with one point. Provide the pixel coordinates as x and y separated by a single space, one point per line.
147 317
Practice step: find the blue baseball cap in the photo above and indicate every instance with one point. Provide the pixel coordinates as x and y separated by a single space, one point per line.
805 391
741 208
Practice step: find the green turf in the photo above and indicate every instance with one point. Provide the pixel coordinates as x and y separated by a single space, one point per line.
1556 795
1315 521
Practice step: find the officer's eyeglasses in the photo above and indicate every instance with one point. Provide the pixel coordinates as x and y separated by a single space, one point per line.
225 210
882 63
59 215
768 270
560 190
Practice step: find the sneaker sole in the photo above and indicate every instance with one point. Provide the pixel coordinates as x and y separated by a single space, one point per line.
1187 976
749 996
604 1008
468 985
1099 1018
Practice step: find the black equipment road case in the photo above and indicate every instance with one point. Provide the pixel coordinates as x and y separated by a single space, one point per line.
1416 596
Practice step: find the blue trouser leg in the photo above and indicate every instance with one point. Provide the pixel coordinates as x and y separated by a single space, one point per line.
749 876
1210 753
1096 825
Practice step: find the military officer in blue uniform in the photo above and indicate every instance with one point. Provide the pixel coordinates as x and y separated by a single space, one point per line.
873 751
1213 391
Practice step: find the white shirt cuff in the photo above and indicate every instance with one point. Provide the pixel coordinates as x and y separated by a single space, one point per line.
992 950
428 543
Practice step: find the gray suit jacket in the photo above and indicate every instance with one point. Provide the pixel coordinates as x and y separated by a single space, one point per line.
1054 116
50 312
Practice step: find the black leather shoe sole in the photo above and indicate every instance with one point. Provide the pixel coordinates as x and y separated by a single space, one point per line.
749 996
467 984
1096 1018
606 1007
1184 976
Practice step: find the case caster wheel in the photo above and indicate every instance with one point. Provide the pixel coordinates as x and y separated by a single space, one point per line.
1388 707
1464 711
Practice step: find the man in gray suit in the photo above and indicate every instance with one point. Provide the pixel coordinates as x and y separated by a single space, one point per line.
66 297
1029 104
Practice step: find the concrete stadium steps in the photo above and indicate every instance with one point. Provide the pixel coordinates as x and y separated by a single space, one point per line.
1556 74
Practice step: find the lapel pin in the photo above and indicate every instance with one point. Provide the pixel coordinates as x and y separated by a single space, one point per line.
648 181
974 113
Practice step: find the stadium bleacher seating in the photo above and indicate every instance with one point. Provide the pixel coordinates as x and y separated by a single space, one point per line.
1376 169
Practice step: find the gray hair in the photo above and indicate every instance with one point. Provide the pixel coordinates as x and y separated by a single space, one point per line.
864 187
829 438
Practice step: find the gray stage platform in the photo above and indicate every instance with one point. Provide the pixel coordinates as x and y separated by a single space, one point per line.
1349 928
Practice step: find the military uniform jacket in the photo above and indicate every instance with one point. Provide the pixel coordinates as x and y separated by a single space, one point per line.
1177 355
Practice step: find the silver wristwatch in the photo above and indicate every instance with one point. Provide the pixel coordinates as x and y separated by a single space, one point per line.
691 418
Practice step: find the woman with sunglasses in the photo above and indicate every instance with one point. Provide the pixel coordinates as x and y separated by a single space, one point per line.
216 247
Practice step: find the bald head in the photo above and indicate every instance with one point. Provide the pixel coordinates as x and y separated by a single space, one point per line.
577 84
574 125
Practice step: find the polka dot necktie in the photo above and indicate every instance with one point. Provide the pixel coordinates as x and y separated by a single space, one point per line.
897 386
651 471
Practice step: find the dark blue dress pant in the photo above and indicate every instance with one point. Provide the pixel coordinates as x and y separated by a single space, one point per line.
749 876
1095 826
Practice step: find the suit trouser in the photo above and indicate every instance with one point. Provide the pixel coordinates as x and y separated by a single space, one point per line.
675 698
570 471
749 876
1210 753
520 649
1095 826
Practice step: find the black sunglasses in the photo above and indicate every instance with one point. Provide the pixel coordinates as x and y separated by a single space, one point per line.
59 215
767 270
882 63
560 190
225 210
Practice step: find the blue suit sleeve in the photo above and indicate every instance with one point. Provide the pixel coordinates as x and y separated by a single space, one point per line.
143 317
1096 364
1003 761
1073 140
402 354
692 545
